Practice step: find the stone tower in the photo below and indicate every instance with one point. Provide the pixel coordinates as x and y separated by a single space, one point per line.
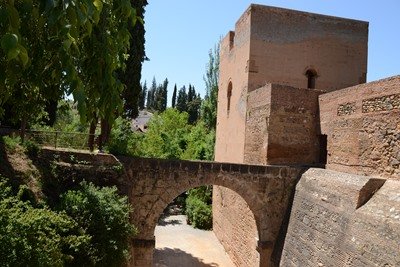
264 117
286 47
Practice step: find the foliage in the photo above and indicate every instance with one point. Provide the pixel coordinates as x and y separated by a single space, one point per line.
32 148
198 207
123 141
209 106
166 136
181 100
174 97
200 143
105 217
133 95
203 193
36 236
157 96
67 120
11 143
189 102
142 96
81 47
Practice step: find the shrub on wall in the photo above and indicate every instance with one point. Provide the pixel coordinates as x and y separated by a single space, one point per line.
104 215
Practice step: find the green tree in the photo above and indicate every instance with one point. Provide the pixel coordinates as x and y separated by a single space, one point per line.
200 143
142 96
160 97
151 95
166 135
81 47
193 105
32 236
181 101
104 215
132 74
174 97
209 105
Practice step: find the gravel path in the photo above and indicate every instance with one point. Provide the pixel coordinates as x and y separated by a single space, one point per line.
180 245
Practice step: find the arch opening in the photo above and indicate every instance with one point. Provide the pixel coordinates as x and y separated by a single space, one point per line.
170 241
311 75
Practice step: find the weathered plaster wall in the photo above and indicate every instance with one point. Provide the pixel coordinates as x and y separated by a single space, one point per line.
363 128
341 219
285 43
282 126
235 227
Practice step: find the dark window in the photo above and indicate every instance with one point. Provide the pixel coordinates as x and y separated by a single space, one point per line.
323 151
229 95
311 76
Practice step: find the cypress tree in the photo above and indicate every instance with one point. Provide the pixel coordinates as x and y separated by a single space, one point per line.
132 75
142 96
174 97
181 101
164 95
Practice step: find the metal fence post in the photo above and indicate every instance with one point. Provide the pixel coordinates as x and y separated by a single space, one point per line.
55 140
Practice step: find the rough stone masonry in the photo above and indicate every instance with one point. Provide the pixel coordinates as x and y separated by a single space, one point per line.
292 91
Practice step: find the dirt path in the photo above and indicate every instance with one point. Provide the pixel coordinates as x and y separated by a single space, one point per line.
180 245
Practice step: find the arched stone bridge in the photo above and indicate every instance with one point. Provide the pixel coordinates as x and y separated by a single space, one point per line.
154 183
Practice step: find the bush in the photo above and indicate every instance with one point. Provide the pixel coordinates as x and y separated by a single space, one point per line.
199 213
123 141
36 237
104 215
199 207
203 193
11 143
32 148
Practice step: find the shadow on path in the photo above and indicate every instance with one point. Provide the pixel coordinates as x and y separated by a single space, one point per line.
167 257
165 221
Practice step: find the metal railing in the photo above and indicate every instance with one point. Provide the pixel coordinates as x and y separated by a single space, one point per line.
59 139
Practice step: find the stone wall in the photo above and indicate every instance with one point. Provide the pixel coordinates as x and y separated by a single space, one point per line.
282 126
257 122
235 227
234 51
363 128
341 219
286 43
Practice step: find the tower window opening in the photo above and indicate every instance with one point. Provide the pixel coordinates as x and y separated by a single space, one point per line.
229 95
311 76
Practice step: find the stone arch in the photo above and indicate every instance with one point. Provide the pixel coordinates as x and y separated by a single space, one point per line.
153 183
167 197
253 227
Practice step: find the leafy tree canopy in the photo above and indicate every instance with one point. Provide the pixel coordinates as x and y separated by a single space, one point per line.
53 48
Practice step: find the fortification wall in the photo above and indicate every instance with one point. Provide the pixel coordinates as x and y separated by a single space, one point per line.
363 128
341 219
232 93
286 43
235 227
229 145
282 126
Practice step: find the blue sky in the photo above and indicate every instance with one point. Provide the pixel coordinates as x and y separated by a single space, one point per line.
179 34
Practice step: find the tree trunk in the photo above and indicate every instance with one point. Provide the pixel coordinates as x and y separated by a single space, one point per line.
92 130
105 134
